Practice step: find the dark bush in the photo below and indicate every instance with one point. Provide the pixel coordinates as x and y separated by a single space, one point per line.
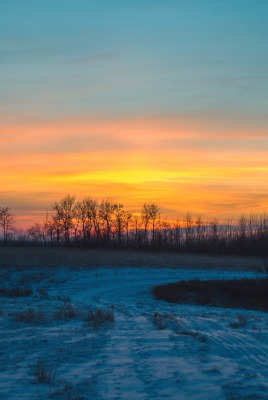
43 373
15 292
30 316
99 318
239 293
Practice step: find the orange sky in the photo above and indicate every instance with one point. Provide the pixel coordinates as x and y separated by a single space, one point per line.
182 165
141 101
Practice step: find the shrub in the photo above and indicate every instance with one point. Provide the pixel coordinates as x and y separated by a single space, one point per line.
159 320
65 390
194 334
15 292
43 373
164 321
99 318
30 316
43 293
67 311
238 293
240 322
214 369
65 299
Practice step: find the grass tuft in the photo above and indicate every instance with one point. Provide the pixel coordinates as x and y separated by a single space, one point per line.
201 338
67 311
30 316
43 373
99 318
164 321
43 293
66 390
241 321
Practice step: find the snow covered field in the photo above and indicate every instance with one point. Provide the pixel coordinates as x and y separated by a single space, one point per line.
154 350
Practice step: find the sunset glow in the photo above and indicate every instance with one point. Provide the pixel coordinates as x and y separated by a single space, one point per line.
49 163
150 103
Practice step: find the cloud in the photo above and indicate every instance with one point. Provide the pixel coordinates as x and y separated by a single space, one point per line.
173 161
72 136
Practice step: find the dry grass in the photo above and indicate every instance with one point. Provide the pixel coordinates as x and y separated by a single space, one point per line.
26 257
241 321
43 373
67 311
30 316
164 321
99 318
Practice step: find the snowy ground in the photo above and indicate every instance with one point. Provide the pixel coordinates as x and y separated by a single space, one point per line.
155 350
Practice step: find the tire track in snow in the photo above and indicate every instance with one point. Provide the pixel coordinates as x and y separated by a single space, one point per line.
135 359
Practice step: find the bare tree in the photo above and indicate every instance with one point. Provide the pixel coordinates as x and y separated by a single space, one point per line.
122 219
128 218
135 232
106 213
177 234
188 230
50 229
199 231
36 233
86 213
149 214
7 222
63 213
214 235
164 238
119 221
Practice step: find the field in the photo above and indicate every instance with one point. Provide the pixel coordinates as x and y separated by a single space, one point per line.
25 257
85 325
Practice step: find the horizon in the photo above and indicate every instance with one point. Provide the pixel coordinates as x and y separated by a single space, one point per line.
182 219
141 102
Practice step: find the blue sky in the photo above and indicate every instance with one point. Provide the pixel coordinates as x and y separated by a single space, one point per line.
63 57
142 100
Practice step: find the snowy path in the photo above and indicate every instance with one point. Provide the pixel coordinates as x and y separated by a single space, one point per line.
197 354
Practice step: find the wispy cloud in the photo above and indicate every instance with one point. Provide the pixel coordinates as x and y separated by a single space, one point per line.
144 101
164 160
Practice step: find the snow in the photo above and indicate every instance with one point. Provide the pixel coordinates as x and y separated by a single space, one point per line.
193 354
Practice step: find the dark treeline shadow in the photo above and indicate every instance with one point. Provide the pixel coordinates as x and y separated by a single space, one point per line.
107 224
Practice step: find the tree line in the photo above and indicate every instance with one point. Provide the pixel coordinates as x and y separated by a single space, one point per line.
107 224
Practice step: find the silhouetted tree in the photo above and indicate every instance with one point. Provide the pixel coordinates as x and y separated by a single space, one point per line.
86 213
200 232
36 233
188 231
214 234
7 222
149 215
108 223
106 214
63 213
128 219
121 222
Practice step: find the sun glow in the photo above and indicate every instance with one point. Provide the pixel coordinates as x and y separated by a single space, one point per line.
134 161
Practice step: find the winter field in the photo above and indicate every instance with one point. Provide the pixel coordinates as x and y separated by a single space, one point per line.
84 325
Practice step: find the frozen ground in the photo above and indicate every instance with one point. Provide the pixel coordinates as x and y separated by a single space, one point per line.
155 350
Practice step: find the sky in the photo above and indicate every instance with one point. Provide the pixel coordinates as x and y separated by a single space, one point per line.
139 101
